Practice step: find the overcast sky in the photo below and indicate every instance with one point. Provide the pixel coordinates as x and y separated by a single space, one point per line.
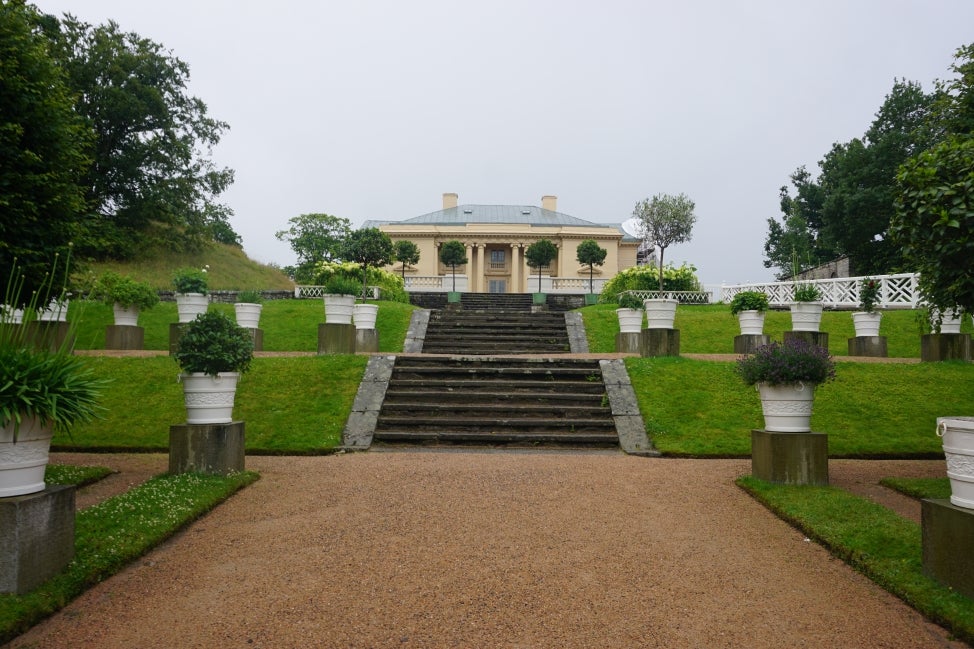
372 110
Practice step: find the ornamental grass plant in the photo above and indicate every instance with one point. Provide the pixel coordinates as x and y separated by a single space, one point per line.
793 361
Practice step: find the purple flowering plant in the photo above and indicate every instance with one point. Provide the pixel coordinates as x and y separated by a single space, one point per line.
793 361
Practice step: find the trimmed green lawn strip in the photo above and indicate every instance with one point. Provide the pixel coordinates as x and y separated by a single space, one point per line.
78 476
873 540
701 408
919 487
110 535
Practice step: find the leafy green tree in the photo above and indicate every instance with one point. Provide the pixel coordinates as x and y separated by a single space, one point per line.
453 254
369 247
795 235
540 254
954 107
152 180
42 153
406 252
314 238
590 253
665 220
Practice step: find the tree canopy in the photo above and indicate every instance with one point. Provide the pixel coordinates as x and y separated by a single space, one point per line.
314 238
590 253
665 220
43 157
406 252
539 254
369 247
453 254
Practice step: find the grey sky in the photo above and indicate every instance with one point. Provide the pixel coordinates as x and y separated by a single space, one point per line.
371 110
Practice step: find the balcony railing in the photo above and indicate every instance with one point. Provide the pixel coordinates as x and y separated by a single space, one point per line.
896 291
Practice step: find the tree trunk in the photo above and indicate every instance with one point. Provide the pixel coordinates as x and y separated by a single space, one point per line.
591 269
661 271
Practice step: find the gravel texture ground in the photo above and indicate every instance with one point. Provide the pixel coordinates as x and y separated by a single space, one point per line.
480 548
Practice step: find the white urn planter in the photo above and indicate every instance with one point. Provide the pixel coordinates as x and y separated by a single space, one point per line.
190 305
787 408
54 312
950 324
866 322
209 399
630 320
126 316
806 316
339 308
364 315
660 313
957 436
10 315
247 314
752 322
22 463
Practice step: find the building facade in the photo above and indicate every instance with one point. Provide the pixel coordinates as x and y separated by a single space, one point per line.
496 237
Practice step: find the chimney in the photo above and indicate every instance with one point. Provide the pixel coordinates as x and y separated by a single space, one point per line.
449 200
549 203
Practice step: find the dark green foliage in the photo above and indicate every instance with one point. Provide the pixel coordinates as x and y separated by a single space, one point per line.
630 301
453 254
868 294
590 253
540 254
665 220
43 152
339 284
113 288
190 280
406 253
793 361
369 247
314 238
749 301
213 343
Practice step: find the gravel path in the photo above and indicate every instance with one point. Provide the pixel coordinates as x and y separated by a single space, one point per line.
487 549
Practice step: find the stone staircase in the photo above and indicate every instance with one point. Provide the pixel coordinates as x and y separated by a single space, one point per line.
496 302
496 400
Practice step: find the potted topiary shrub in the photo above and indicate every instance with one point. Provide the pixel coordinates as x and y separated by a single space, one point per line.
750 308
191 292
125 295
340 292
786 375
866 320
43 389
247 309
806 310
212 353
630 313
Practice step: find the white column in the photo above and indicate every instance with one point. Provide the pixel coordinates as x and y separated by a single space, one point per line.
481 270
470 269
515 268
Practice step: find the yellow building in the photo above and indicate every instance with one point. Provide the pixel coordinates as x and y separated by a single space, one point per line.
496 237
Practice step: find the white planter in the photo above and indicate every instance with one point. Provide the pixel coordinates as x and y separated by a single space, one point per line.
126 316
806 316
787 408
22 463
10 315
752 322
364 315
209 399
957 434
338 309
866 324
55 312
950 324
190 305
630 320
660 313
248 314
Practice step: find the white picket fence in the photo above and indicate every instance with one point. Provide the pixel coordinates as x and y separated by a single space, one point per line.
896 291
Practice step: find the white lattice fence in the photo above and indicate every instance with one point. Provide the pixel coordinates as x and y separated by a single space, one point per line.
896 291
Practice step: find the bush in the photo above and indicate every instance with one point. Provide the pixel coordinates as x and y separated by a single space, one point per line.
190 280
794 361
112 288
391 287
213 343
646 278
749 301
630 301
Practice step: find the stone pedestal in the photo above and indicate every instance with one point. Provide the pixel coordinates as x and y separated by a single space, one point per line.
176 330
868 346
124 337
747 343
48 334
819 338
36 537
257 335
660 342
629 342
336 338
790 458
206 448
948 536
366 341
945 347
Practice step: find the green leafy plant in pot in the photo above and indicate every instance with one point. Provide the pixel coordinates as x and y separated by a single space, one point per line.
749 301
43 388
212 353
191 292
126 295
630 301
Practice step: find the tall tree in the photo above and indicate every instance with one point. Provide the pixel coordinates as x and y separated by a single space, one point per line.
314 238
152 180
453 254
369 247
406 252
665 220
42 152
539 254
795 236
590 253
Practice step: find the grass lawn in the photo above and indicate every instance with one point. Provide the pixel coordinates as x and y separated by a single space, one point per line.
873 540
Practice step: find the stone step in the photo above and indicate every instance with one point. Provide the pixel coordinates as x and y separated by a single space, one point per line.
533 437
491 387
